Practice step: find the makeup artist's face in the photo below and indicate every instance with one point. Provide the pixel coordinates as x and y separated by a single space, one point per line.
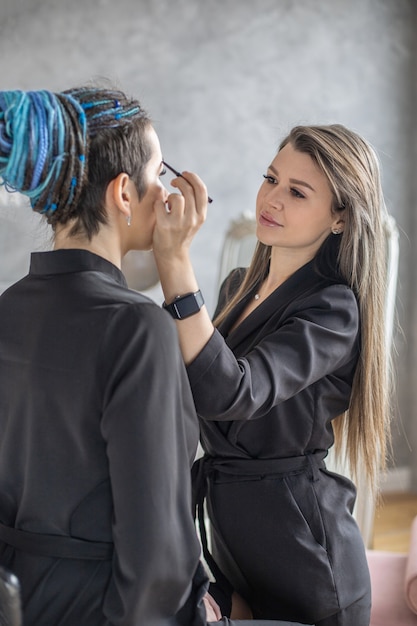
143 217
294 204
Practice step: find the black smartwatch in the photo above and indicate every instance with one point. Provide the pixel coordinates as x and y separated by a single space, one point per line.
184 306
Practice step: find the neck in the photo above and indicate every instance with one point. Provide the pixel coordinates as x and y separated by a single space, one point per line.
102 244
283 264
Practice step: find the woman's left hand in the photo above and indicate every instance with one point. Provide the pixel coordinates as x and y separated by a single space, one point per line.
212 609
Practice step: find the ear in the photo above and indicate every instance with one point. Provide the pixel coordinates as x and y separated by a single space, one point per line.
338 226
119 194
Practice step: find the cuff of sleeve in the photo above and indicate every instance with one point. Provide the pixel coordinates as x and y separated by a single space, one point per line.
204 360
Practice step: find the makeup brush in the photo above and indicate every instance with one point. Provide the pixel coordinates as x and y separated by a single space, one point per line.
179 174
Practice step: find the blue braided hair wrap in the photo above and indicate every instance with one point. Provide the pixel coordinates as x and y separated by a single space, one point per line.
46 140
34 150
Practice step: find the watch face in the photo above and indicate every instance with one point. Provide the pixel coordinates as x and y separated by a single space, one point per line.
185 306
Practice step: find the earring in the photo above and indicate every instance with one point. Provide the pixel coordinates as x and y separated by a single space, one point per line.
336 231
129 220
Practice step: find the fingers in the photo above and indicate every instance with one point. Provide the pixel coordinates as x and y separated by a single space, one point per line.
175 203
192 188
212 609
181 216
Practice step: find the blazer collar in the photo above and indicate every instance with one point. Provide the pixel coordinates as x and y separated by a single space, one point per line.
303 280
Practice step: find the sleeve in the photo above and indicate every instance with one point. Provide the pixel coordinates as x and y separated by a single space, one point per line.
151 433
319 335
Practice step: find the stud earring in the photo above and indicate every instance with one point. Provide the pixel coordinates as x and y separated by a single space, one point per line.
129 220
336 231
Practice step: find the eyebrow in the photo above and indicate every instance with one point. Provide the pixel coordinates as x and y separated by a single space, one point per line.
294 180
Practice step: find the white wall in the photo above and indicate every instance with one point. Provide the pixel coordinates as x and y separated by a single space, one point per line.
225 79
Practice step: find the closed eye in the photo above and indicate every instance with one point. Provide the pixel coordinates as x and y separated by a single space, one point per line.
270 179
163 171
297 193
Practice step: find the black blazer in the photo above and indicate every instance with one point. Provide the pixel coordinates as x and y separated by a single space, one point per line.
266 394
270 388
97 434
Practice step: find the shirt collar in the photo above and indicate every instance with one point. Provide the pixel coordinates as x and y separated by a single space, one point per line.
73 260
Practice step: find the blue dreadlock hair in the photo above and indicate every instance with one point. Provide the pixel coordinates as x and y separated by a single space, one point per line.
62 150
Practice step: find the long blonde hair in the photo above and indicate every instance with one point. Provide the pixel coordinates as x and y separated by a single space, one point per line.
352 170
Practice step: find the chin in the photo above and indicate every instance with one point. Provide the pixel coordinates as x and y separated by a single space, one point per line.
265 239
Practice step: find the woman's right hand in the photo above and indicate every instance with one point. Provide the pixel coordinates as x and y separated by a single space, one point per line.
176 223
180 218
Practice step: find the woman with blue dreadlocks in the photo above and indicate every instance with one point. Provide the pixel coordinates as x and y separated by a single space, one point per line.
97 424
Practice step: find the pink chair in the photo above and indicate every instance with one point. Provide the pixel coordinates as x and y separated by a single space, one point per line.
394 585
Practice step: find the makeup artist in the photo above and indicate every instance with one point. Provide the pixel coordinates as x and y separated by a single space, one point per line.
295 357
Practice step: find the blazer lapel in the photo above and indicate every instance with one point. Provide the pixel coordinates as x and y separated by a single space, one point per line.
269 312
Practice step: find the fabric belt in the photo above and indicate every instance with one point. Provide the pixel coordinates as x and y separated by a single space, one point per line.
206 467
260 467
58 546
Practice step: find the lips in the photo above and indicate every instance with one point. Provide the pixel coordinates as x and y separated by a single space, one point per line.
265 219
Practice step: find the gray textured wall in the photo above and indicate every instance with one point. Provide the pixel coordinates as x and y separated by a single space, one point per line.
225 79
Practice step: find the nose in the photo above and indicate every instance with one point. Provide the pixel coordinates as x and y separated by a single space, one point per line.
274 198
